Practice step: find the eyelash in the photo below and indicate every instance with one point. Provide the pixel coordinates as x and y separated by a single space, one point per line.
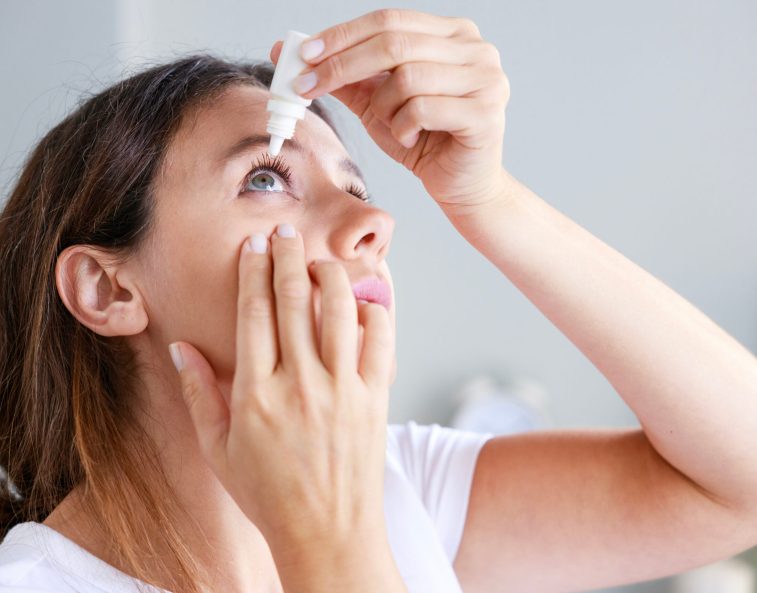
265 163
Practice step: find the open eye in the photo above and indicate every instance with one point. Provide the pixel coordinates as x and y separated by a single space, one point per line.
274 175
268 175
263 180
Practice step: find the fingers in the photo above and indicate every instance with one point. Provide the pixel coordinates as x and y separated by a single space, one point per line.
276 51
386 51
461 116
276 322
425 78
377 357
339 321
257 349
340 37
207 407
294 310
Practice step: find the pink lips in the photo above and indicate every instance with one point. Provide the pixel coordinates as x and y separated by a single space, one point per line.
374 291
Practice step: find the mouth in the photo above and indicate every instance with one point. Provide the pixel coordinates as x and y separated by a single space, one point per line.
373 290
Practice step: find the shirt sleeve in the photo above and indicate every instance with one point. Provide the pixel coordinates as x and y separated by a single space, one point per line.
439 463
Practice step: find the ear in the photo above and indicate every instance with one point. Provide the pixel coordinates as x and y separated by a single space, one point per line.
99 292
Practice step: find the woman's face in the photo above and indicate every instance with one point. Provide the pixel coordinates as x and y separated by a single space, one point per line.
207 204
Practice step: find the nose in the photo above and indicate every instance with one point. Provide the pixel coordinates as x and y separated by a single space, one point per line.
365 232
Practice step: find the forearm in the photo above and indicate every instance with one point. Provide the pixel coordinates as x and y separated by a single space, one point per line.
691 385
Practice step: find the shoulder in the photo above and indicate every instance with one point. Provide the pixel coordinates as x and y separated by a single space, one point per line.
423 450
24 566
437 461
35 558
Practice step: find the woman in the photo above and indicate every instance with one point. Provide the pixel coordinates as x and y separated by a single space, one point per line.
152 221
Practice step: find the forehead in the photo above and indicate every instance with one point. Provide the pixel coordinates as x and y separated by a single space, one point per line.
239 112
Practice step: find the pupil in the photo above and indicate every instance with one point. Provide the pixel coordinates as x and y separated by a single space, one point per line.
263 180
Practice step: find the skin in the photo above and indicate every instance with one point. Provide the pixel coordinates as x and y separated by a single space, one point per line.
599 508
201 224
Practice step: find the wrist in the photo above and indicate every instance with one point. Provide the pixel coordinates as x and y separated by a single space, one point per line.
496 193
360 563
485 207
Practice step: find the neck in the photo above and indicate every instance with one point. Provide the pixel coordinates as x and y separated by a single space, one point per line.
219 537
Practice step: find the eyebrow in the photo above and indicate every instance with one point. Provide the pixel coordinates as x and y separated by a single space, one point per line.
256 140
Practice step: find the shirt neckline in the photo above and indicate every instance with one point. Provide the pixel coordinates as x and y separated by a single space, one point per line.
70 557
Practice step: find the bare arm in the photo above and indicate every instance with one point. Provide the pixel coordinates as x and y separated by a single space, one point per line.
691 385
600 497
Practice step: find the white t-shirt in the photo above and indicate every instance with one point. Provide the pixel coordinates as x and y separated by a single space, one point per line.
427 483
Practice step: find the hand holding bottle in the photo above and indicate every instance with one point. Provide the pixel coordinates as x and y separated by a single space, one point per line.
429 91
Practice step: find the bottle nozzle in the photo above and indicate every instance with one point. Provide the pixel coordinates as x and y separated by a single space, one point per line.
285 105
274 146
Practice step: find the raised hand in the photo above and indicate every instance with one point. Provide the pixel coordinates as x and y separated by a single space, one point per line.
300 444
429 91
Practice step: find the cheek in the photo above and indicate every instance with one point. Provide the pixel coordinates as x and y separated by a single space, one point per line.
195 301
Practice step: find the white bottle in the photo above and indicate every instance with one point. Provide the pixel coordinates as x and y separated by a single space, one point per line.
285 105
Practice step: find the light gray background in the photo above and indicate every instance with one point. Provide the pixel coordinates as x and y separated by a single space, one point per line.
637 119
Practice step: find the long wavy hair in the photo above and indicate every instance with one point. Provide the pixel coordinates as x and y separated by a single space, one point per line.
66 393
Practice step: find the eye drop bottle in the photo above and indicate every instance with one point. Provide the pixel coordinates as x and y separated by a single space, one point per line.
285 105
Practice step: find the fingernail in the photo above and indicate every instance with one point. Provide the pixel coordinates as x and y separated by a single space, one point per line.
286 230
178 361
304 82
312 49
410 141
257 243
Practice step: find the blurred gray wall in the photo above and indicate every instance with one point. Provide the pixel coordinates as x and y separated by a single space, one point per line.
636 119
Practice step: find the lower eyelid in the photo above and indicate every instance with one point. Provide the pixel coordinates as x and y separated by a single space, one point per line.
268 191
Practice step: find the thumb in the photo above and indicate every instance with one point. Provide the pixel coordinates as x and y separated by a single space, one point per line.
204 400
276 51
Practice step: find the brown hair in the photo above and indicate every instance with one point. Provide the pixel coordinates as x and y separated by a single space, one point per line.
66 393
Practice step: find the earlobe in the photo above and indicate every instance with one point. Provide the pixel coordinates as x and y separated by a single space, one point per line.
97 292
